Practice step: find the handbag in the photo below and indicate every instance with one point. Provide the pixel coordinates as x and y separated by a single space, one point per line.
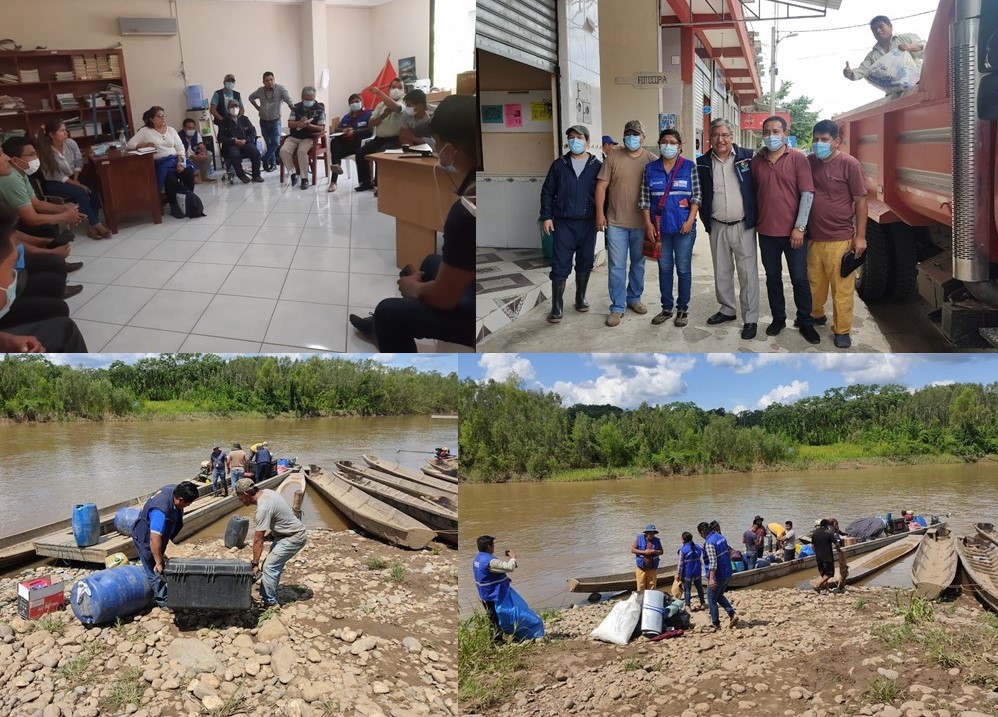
653 249
677 588
850 263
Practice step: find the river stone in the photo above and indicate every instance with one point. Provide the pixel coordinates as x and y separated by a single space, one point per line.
283 662
213 703
272 629
315 691
364 645
889 674
193 654
243 640
52 711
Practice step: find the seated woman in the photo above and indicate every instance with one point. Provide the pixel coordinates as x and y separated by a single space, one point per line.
353 126
62 163
197 152
172 173
438 301
237 135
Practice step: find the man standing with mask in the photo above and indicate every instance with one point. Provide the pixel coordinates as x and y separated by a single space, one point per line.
785 192
837 224
307 121
620 180
567 198
220 100
386 121
267 101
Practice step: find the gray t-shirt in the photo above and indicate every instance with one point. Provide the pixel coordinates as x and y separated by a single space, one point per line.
270 101
579 164
420 126
275 515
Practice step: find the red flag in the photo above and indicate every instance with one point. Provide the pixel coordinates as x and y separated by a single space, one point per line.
383 81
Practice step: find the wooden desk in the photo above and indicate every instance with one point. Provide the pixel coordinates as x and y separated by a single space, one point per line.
127 185
407 192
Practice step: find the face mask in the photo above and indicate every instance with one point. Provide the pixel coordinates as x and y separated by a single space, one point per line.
669 151
447 167
396 94
773 142
632 142
230 86
409 111
190 132
356 106
233 111
576 146
307 103
11 295
823 150
33 165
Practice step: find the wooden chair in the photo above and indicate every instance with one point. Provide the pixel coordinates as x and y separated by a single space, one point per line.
319 150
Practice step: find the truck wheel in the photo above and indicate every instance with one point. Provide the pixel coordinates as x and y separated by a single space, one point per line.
904 242
876 277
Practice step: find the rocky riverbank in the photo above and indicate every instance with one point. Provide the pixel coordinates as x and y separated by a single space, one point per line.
363 629
869 651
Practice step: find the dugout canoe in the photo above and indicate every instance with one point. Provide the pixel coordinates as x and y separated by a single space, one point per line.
979 558
431 514
865 565
432 472
398 471
935 564
369 513
448 466
420 490
987 530
626 581
292 489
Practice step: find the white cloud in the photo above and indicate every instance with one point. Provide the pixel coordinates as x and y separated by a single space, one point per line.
947 382
747 364
499 367
785 393
650 378
739 409
865 368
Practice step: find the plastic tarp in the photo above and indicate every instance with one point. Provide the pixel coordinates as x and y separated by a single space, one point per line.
618 626
516 618
866 528
896 71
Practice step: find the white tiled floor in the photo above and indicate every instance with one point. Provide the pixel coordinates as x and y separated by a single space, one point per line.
270 268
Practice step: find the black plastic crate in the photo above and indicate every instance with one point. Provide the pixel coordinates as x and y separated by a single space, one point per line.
209 584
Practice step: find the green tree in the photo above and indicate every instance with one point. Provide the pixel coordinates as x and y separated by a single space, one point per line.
802 117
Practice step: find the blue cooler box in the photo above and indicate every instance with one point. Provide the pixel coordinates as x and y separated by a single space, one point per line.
208 584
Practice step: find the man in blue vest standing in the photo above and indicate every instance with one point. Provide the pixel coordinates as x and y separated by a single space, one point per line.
264 462
160 521
689 569
218 457
491 574
646 549
717 568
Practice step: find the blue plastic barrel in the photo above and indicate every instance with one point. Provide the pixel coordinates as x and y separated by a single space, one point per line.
195 97
86 524
284 462
107 595
125 518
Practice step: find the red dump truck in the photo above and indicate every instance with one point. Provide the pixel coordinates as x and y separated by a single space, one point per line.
930 162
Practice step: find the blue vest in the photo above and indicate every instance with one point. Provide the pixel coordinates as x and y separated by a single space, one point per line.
218 461
692 554
722 571
263 456
163 501
677 205
642 545
487 582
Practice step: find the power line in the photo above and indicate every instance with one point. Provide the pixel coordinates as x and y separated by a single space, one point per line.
865 24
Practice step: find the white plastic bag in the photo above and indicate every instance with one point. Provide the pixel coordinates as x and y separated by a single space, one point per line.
896 71
618 626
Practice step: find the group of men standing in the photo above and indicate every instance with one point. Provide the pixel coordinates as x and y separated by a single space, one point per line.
236 464
809 210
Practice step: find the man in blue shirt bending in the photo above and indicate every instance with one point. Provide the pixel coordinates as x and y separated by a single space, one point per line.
160 521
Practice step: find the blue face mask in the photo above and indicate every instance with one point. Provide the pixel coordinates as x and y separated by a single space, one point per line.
307 103
446 166
669 151
230 86
822 150
11 295
576 146
773 142
632 142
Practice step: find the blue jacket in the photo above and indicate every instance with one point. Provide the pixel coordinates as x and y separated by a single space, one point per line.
565 196
722 571
163 501
706 169
488 583
642 545
676 209
692 558
263 455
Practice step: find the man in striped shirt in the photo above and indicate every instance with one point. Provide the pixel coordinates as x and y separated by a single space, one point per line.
717 567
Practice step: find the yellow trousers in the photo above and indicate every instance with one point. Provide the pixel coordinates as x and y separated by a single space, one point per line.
646 579
824 259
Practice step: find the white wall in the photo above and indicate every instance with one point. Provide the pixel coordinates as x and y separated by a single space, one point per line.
350 67
401 28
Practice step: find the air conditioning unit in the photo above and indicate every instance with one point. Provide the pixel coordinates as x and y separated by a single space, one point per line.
147 26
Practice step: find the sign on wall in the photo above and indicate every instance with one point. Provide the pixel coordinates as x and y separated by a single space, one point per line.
754 120
666 121
516 111
644 80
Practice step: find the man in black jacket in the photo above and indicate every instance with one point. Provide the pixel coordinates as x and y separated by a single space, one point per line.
729 215
237 136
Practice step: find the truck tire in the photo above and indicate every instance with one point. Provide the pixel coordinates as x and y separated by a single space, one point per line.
875 278
905 245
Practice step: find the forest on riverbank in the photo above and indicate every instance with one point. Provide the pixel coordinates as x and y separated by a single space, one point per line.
32 388
509 432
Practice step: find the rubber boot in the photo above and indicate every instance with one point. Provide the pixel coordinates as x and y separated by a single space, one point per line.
557 300
581 282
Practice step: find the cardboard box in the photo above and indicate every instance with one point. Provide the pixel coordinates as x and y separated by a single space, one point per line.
40 597
848 540
466 83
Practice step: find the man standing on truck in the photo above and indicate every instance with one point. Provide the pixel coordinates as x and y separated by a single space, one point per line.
836 225
784 191
883 31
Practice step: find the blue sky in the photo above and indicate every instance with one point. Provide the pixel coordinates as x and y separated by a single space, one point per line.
443 363
734 382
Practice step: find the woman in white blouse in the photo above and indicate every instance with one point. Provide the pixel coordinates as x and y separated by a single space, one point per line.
172 173
62 163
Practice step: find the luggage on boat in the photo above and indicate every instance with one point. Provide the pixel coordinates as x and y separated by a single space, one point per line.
805 551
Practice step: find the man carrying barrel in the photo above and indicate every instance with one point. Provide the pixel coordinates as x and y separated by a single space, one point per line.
160 521
288 533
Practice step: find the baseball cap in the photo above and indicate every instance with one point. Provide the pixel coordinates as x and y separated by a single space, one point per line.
244 485
634 126
581 129
607 139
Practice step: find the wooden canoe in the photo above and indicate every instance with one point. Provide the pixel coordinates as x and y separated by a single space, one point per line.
865 565
448 466
746 578
987 530
439 475
431 514
979 558
369 513
934 568
445 498
292 489
415 476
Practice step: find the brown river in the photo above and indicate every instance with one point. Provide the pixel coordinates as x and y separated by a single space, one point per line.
50 467
561 530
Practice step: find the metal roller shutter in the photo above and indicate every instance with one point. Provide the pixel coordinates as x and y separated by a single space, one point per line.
525 31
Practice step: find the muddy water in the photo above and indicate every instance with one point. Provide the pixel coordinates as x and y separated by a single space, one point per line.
48 468
561 530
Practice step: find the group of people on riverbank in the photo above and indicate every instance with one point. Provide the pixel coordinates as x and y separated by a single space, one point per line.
236 464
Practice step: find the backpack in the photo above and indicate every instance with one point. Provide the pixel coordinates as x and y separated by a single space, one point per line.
679 621
191 205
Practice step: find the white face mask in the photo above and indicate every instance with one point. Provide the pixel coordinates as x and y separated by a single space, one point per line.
233 111
33 165
396 94
190 132
410 111
11 295
356 106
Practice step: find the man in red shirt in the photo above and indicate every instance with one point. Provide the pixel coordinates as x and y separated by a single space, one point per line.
784 191
836 225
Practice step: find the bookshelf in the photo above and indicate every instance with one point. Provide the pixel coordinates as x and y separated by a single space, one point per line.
43 85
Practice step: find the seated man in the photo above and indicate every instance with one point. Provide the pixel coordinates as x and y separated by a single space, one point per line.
36 216
386 121
438 301
354 126
415 128
237 135
197 152
307 121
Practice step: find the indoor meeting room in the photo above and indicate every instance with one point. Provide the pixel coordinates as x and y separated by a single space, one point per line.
234 175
